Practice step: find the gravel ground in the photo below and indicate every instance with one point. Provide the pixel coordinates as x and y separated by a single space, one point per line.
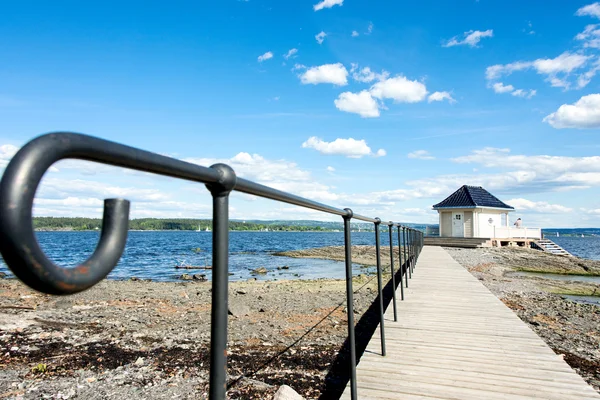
140 340
570 329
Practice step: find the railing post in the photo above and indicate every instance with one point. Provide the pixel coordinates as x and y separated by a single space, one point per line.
402 271
414 248
410 252
406 264
390 227
350 303
379 286
220 280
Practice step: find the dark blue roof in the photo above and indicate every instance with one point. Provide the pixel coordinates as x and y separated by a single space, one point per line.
472 197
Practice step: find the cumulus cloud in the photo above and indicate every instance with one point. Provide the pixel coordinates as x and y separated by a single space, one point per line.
524 93
592 10
441 96
537 206
535 173
267 56
350 147
336 74
279 174
355 34
590 36
361 103
557 70
400 89
320 37
327 4
366 75
290 54
330 169
499 87
585 113
470 38
7 151
421 155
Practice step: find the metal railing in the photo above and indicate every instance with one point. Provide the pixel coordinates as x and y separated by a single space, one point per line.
28 262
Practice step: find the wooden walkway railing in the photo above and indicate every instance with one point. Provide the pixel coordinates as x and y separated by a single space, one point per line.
455 340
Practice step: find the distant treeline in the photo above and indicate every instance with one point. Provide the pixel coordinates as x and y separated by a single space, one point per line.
155 224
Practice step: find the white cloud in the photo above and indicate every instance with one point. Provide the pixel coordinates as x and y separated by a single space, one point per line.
279 174
327 4
566 62
471 38
524 93
355 34
361 103
336 74
330 169
441 96
537 206
499 87
291 54
320 37
562 65
366 75
350 147
369 29
535 173
267 56
592 10
590 36
421 155
7 151
585 113
400 89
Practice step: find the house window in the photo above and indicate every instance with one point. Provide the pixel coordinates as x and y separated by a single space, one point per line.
457 216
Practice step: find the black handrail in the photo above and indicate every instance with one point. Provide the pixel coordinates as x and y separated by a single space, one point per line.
28 262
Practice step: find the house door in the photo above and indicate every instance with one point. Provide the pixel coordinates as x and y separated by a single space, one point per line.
458 224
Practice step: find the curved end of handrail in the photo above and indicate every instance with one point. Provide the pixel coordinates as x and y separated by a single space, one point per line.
18 244
28 262
377 221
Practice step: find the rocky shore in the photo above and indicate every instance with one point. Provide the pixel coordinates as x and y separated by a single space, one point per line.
139 339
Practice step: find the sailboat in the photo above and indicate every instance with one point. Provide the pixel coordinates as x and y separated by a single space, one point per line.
557 234
198 230
207 229
582 235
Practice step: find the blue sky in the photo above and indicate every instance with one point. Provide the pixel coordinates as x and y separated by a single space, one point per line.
384 107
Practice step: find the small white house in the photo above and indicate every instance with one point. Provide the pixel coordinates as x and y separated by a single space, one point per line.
472 211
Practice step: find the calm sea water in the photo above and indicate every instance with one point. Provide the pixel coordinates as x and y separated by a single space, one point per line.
584 247
154 255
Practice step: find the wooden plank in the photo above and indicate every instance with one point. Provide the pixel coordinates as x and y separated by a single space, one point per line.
455 340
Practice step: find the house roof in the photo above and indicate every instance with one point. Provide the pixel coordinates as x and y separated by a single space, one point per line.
472 197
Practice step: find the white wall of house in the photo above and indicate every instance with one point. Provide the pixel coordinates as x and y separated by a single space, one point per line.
478 222
487 219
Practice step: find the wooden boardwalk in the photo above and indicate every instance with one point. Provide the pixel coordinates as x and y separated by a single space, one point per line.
455 340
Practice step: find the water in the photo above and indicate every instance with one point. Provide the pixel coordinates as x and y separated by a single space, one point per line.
558 277
584 247
153 255
583 299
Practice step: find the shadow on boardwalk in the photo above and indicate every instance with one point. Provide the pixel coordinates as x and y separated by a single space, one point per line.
339 374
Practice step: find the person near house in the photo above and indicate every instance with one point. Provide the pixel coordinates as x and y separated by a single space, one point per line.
518 223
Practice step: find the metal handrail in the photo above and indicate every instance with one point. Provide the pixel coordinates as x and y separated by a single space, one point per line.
28 262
